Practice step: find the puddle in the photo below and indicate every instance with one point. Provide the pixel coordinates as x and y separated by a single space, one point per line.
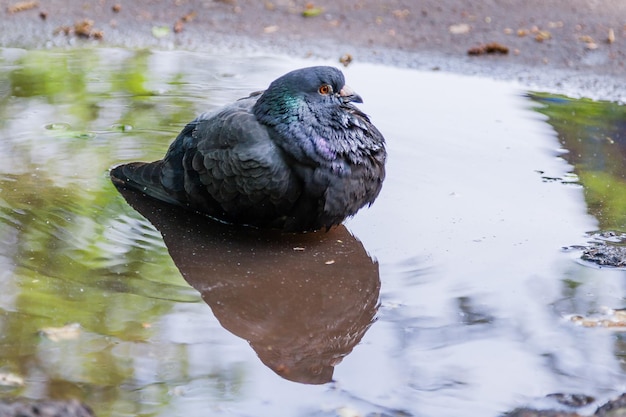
449 296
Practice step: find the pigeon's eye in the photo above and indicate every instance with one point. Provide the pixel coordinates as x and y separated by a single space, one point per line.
325 89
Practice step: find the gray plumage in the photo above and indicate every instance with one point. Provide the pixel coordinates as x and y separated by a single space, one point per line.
298 156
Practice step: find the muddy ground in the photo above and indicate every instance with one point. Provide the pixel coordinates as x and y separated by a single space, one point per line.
574 46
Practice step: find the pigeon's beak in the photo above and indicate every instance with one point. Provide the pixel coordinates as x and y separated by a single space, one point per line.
348 95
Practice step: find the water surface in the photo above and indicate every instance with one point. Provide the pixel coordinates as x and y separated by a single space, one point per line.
449 296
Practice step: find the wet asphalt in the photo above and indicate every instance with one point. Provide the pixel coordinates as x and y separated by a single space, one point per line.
576 47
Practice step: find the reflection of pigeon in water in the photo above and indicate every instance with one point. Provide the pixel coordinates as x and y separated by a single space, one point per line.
302 311
298 156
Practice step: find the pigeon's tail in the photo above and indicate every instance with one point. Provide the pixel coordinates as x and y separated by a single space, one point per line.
144 177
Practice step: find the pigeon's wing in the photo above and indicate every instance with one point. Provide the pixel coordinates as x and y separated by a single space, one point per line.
226 165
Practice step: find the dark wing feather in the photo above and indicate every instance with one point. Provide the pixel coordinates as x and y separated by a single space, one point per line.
226 165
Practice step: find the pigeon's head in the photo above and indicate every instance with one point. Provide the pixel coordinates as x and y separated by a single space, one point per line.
314 87
318 84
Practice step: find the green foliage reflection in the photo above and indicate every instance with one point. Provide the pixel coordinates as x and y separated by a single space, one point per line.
72 250
594 134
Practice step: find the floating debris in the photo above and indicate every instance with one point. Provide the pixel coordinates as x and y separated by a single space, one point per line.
56 334
8 379
612 319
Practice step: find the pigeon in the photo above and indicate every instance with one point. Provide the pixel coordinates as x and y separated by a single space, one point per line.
298 157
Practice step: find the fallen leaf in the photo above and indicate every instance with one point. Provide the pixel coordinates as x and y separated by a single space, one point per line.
611 37
401 14
345 59
311 10
22 6
178 26
489 48
83 28
542 35
189 17
586 39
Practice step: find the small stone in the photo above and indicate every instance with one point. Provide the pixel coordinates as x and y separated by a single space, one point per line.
459 29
